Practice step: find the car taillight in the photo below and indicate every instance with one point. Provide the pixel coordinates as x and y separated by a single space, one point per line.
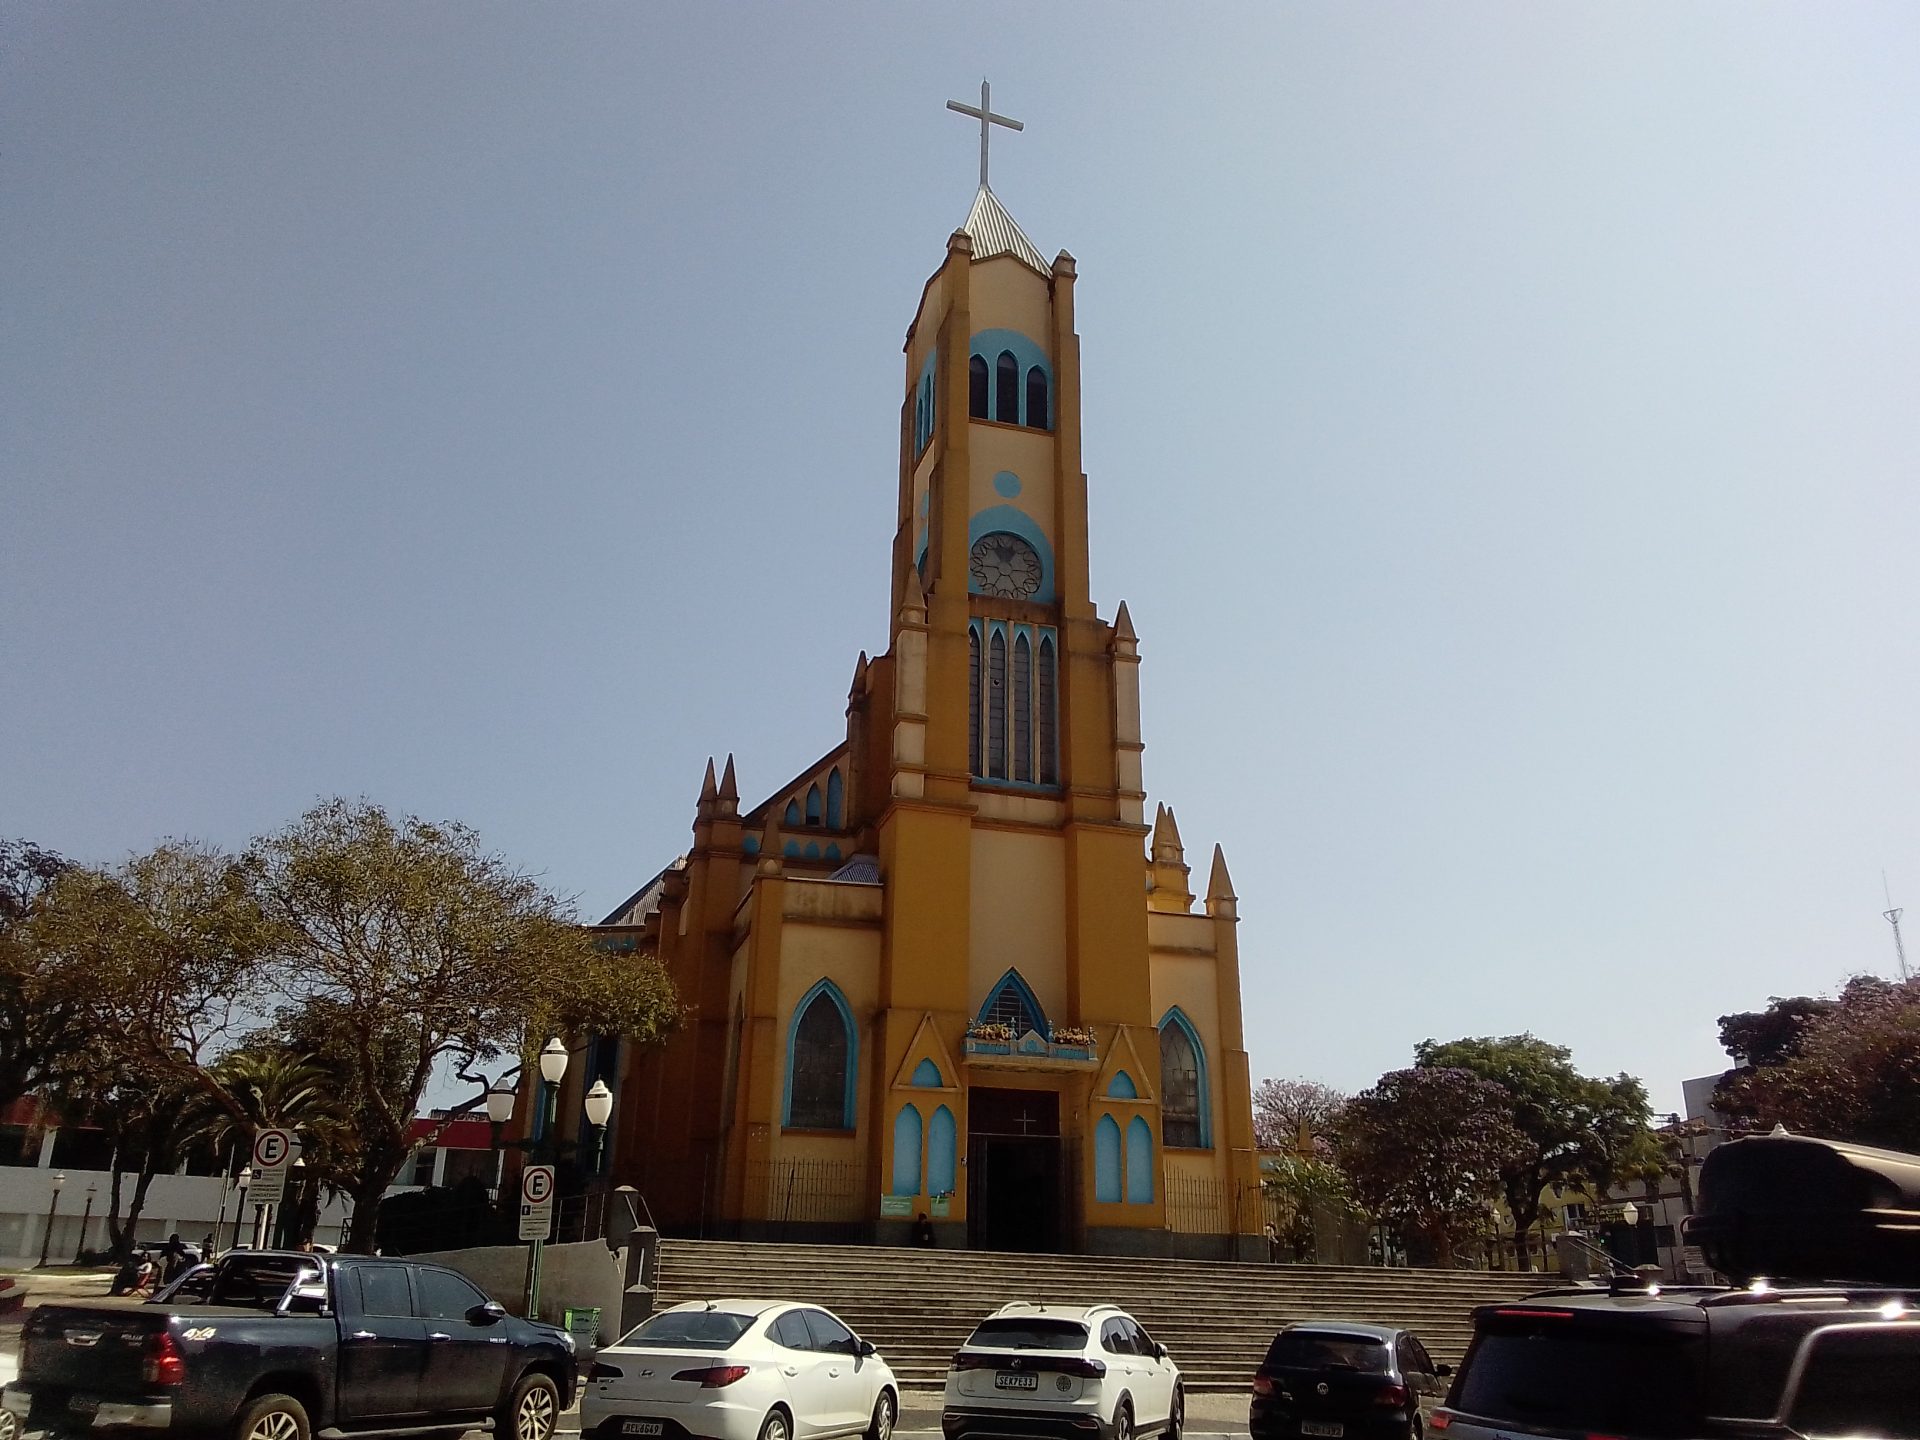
1263 1384
964 1361
714 1377
164 1364
1392 1395
1440 1420
1085 1369
602 1371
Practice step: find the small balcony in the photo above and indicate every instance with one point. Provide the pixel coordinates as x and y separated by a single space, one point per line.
996 1047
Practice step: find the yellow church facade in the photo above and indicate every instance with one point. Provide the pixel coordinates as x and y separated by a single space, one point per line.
953 969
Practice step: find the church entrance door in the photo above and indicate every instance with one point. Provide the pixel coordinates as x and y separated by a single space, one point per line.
1015 1173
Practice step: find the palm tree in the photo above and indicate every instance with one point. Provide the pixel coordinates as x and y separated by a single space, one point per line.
280 1088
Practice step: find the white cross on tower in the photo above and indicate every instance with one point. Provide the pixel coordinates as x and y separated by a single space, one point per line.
986 117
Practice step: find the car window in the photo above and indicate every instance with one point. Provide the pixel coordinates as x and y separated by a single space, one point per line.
1030 1334
256 1282
828 1333
445 1295
790 1330
383 1290
1142 1343
1640 1383
1326 1349
1112 1341
1421 1357
1860 1381
1403 1352
693 1329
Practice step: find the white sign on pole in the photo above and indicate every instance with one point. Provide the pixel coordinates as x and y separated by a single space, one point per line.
536 1202
273 1157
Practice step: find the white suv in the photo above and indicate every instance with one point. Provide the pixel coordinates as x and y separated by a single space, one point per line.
1063 1372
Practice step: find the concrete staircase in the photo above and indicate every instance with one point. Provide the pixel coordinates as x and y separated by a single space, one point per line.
918 1306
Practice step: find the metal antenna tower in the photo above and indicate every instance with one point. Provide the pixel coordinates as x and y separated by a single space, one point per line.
1892 916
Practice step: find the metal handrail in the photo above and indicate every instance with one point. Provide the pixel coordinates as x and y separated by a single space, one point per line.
1615 1264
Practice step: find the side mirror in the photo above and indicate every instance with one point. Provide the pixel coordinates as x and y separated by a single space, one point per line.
864 1348
490 1313
1443 1371
1159 1351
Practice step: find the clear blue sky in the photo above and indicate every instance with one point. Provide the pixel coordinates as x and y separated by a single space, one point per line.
1501 421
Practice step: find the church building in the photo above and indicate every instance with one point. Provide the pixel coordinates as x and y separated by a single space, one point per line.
952 969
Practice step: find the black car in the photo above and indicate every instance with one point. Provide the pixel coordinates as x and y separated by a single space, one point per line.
1763 1357
1343 1380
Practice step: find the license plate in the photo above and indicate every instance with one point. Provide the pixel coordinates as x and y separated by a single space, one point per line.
1321 1427
1005 1381
641 1427
84 1405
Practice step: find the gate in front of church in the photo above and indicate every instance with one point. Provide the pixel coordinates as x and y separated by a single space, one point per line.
1020 1172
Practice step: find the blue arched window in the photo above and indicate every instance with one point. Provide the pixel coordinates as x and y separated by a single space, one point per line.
1106 1161
812 852
1121 1087
906 1151
813 805
836 799
926 1073
1012 1004
977 387
792 818
1044 715
1037 398
943 1149
1022 708
997 705
1006 389
1185 1118
823 1051
1139 1161
973 699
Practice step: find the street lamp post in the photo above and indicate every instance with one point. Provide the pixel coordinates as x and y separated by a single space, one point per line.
240 1207
86 1219
53 1205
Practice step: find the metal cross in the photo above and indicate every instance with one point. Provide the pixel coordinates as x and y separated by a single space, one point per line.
986 117
1026 1122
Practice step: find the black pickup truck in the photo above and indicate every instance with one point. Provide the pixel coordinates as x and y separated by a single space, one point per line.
271 1345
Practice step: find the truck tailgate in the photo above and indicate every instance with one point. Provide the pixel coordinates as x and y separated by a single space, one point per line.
103 1352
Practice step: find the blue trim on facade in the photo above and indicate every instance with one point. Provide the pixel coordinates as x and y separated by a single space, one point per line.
1027 998
906 1152
1106 1161
927 1073
1176 1016
988 344
943 1150
791 818
832 992
1121 1087
1139 1161
836 798
750 844
1014 521
1007 485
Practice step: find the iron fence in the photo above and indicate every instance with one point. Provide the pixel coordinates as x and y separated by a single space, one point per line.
813 1199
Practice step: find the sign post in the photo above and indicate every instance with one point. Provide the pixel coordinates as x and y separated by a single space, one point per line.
536 1224
274 1151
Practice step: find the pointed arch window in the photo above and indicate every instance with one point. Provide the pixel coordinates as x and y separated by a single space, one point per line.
1044 714
836 799
1022 709
1037 398
906 1151
1139 1161
813 805
973 700
1006 389
1183 1085
821 1051
791 819
943 1150
1014 1005
1106 1161
977 387
997 705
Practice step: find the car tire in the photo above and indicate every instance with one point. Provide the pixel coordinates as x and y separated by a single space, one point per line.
532 1412
1177 1419
1415 1431
776 1426
273 1417
9 1425
1122 1428
884 1414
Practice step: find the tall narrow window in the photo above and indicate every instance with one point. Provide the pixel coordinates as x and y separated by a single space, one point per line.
1180 1088
1006 389
813 805
977 387
1044 705
1037 398
820 1061
1022 709
997 705
836 799
973 701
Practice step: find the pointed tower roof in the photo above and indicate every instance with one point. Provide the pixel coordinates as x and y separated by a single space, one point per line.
729 787
995 232
1219 883
708 788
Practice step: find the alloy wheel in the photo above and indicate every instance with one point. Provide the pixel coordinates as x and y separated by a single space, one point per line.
274 1425
534 1420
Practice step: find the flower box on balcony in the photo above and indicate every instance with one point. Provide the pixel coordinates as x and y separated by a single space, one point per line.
988 1047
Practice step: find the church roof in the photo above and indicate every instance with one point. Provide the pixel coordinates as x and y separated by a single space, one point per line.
995 232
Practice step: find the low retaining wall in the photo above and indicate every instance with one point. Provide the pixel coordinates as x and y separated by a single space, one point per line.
575 1276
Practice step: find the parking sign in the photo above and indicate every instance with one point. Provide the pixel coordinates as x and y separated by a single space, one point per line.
274 1151
536 1202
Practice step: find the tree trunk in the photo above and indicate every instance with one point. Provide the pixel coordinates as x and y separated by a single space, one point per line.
365 1224
1525 1217
120 1237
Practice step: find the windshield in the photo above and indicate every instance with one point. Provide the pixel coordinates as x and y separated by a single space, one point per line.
1321 1350
1639 1384
1031 1334
689 1330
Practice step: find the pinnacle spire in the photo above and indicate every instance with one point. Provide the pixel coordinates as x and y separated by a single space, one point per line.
1219 883
708 790
1123 624
729 787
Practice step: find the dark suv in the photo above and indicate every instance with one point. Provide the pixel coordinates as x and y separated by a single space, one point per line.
1765 1358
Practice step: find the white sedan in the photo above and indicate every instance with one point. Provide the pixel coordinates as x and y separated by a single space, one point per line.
739 1370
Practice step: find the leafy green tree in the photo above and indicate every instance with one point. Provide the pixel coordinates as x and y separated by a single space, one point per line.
1426 1149
1577 1129
1774 1035
404 944
1852 1071
1282 1109
1303 1190
46 1015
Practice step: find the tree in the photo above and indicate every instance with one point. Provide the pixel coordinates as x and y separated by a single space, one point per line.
1282 1108
1426 1148
45 1009
1852 1071
406 944
1774 1035
1303 1189
1578 1130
